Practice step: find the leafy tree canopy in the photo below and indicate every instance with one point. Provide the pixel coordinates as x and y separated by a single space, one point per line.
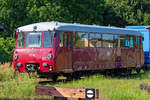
15 13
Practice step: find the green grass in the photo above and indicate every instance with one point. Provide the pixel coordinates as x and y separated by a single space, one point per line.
110 88
16 87
114 88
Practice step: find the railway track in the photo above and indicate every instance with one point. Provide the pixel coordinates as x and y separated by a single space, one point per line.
64 80
52 82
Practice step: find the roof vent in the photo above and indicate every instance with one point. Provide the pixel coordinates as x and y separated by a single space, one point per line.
56 23
35 28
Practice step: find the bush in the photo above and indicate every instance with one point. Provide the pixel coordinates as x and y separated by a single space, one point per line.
6 49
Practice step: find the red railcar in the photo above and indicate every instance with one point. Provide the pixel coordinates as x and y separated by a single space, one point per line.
53 48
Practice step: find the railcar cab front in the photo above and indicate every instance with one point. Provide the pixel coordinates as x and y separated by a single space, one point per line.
34 50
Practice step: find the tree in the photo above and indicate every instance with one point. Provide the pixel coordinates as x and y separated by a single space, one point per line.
17 13
130 12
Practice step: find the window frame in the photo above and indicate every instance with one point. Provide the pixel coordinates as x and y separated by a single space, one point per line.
75 39
95 33
52 40
113 35
24 40
109 39
41 39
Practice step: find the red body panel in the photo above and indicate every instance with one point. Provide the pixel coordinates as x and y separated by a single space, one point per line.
34 55
70 59
104 58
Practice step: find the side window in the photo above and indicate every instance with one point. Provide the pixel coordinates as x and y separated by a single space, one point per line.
122 41
95 40
20 40
141 42
70 40
131 41
107 40
48 39
81 39
138 41
65 40
61 40
116 41
127 41
33 39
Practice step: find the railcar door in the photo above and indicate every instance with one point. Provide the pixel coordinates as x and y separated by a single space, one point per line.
68 51
139 51
64 53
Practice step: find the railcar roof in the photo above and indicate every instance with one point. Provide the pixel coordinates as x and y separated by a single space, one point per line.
45 26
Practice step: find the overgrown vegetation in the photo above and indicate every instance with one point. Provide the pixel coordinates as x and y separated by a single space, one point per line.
100 12
15 13
111 88
7 46
16 87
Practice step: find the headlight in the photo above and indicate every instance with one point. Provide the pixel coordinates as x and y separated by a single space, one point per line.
16 57
45 64
50 68
19 64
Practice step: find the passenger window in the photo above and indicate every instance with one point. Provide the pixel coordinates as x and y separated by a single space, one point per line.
123 41
20 40
95 40
81 39
33 39
65 40
61 40
48 38
131 41
138 41
116 41
70 40
107 40
127 41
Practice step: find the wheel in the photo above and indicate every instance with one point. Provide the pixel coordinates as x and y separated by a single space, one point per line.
112 72
76 76
138 70
129 71
54 78
107 72
69 77
145 68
